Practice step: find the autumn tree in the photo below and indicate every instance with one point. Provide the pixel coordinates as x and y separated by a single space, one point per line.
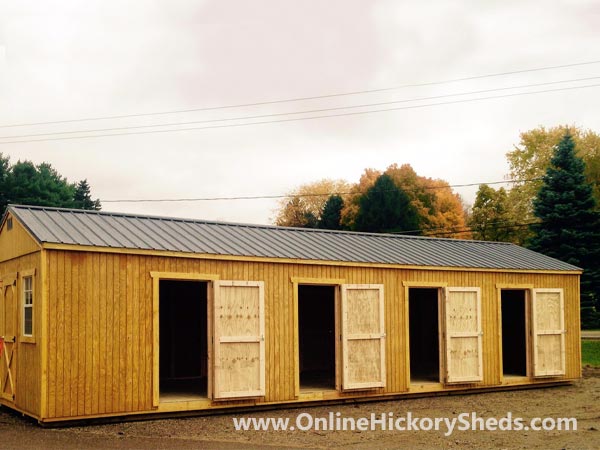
569 225
529 160
303 206
490 217
440 210
352 201
386 208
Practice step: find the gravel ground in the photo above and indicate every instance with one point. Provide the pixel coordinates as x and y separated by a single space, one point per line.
580 400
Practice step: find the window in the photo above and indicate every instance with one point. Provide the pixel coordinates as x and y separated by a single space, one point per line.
28 306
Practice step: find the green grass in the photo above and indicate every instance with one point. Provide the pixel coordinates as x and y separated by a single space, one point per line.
590 353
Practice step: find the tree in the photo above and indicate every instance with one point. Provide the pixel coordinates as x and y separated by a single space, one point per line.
82 199
440 210
490 217
352 202
569 224
306 202
331 216
4 168
29 184
38 185
386 208
529 161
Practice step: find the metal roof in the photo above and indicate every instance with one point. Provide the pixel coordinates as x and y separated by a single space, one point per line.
117 230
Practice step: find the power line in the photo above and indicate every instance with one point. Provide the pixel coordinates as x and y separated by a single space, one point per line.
448 230
268 197
297 99
262 116
355 113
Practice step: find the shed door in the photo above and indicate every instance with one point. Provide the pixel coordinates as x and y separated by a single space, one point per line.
548 332
464 362
239 345
8 333
363 336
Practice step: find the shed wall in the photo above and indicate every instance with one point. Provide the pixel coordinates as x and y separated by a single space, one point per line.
100 343
15 242
28 373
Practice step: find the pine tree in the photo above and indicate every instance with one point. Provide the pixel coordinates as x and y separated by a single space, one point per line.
569 224
386 208
82 198
332 213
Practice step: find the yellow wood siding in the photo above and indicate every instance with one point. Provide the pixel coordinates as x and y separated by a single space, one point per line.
27 377
15 242
101 324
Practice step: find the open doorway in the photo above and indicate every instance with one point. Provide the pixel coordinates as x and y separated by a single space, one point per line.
514 334
423 325
316 333
183 339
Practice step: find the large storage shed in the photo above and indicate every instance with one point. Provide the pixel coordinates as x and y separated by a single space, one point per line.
108 314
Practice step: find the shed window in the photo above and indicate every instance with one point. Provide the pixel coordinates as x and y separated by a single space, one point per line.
28 306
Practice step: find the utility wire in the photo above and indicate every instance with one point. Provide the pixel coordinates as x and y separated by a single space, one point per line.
504 224
327 194
297 99
313 111
354 113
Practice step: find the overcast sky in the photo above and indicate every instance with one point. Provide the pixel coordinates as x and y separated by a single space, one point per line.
63 60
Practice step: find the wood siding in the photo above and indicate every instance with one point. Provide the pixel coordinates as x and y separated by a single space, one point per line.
27 371
101 336
15 242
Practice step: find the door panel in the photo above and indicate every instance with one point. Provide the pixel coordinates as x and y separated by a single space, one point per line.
363 336
464 363
239 346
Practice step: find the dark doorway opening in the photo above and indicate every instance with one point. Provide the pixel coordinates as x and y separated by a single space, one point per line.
316 333
183 338
514 334
424 336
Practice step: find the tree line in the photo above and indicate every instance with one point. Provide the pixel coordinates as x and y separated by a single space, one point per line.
395 200
554 208
29 184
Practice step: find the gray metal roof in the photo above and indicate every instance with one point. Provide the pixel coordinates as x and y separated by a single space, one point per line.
117 230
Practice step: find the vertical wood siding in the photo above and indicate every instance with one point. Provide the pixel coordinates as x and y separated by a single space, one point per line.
101 329
28 355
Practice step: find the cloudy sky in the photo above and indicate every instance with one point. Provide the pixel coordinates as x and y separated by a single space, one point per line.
63 60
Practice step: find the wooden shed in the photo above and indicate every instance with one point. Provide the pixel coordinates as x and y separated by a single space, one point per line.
108 314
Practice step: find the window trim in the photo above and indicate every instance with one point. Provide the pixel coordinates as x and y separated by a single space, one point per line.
27 338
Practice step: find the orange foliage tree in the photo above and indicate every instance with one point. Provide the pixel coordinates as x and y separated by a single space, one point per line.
441 211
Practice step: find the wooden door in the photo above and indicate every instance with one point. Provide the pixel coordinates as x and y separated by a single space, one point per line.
8 332
462 324
548 332
239 343
363 336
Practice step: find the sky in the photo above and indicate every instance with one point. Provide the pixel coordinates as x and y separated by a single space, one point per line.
69 60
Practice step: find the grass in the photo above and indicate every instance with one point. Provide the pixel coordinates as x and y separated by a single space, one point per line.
590 353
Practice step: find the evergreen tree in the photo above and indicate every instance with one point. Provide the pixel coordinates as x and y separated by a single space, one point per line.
332 213
40 185
4 168
386 208
28 184
569 225
82 199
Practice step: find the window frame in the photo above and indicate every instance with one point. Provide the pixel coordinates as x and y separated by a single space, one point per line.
23 276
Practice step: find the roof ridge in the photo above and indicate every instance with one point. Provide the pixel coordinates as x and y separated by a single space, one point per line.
248 225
